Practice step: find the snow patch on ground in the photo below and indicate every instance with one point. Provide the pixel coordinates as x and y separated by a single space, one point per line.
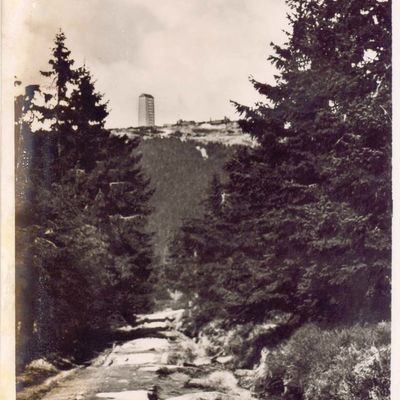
202 151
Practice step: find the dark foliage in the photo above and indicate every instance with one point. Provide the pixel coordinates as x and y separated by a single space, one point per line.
303 224
83 255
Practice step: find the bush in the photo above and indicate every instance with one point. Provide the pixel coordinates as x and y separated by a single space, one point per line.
347 363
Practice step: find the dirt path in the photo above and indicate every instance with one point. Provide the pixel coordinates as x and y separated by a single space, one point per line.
166 366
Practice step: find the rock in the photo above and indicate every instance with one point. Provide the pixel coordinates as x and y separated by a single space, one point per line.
221 380
147 327
43 365
245 377
115 359
224 359
202 396
166 315
159 369
64 363
243 372
164 358
199 361
150 368
143 345
201 383
179 377
184 352
126 395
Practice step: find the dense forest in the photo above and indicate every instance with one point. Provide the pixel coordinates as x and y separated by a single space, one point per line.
84 256
297 233
303 224
301 231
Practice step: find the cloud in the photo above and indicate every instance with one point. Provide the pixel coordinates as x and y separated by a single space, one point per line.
192 55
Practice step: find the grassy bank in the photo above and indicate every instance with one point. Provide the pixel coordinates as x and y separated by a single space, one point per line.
319 364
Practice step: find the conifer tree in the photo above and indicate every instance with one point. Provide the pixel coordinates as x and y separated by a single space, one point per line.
54 113
120 194
88 114
308 211
86 231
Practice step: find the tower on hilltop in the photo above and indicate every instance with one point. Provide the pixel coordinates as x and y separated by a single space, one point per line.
146 110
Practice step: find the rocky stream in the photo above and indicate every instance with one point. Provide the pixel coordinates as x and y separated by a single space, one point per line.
163 364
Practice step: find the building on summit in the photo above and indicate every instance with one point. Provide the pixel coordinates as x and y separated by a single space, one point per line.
146 110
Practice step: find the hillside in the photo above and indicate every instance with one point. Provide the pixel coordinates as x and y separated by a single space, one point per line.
180 160
222 131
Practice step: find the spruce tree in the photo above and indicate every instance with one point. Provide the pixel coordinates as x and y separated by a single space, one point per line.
86 231
120 194
307 212
88 114
54 113
324 132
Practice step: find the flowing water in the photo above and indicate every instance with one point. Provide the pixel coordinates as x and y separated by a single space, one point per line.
164 365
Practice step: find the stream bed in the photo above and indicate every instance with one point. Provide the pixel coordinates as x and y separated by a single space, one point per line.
164 365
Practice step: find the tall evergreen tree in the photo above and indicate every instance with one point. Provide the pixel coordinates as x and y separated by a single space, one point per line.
308 211
88 114
86 231
53 111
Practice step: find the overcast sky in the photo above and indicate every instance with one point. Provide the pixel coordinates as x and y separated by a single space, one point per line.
193 56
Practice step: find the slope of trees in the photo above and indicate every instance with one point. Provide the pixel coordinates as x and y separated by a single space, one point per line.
303 224
180 177
83 255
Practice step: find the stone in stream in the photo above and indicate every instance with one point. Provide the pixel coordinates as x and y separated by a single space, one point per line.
167 314
142 345
154 326
179 378
42 364
131 394
160 368
246 377
200 361
224 359
126 395
202 396
141 351
218 380
221 381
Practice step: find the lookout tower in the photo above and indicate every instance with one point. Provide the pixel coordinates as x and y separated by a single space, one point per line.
146 110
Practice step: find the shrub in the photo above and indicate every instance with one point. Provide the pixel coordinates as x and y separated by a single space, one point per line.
347 363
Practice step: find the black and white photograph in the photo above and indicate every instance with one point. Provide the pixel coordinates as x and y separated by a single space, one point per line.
202 200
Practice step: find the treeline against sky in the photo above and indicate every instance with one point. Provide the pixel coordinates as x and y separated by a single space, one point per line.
83 255
303 225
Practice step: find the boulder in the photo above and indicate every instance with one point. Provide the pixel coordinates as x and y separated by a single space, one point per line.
163 369
179 377
224 359
42 364
143 345
125 395
219 380
202 396
201 383
245 377
200 361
